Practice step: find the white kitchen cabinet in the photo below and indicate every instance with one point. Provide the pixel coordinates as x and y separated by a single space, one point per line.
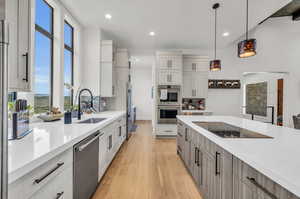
91 75
166 130
195 84
169 77
194 63
169 68
102 155
20 19
55 176
61 187
107 80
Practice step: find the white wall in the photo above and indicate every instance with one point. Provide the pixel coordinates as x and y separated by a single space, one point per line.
278 49
141 80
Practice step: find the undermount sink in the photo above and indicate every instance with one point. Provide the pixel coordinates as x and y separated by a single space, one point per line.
92 121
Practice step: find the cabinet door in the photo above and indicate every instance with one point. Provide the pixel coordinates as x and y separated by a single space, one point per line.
24 35
102 156
170 62
187 85
107 51
187 148
163 77
107 86
175 77
211 185
195 162
200 87
12 18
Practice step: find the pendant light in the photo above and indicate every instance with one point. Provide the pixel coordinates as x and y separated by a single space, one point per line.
215 65
247 48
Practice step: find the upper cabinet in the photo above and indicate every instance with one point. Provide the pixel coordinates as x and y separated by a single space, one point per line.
108 62
195 77
169 68
20 57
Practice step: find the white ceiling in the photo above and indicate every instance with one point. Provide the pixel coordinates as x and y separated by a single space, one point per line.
177 23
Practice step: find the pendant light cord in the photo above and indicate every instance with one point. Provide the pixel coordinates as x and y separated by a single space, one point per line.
247 19
215 33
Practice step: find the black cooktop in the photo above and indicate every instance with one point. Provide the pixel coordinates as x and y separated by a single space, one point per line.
225 130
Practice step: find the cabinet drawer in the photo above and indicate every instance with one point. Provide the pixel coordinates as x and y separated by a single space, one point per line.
39 177
58 188
258 183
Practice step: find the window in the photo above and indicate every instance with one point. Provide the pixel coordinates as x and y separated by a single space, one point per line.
68 64
43 57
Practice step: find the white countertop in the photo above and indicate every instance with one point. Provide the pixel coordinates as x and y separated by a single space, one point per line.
48 140
276 158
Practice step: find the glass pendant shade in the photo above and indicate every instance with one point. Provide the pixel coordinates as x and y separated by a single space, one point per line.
247 48
215 65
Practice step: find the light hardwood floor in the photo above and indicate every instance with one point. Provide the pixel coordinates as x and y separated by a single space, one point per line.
147 168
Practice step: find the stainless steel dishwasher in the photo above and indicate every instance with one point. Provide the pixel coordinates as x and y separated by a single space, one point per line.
86 164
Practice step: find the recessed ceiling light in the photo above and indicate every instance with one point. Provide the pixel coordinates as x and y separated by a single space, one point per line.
152 34
108 16
225 34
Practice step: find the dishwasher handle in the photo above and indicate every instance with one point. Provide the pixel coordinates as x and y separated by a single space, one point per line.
82 147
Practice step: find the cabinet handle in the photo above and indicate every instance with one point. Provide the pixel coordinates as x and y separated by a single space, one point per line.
218 163
254 182
186 139
82 147
120 131
37 181
169 63
179 148
195 155
198 157
26 67
194 66
59 195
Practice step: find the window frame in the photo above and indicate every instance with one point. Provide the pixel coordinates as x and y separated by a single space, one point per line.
50 36
71 50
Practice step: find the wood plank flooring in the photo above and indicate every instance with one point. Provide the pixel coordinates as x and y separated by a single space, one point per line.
147 168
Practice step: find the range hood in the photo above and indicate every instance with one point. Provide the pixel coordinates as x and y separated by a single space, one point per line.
291 9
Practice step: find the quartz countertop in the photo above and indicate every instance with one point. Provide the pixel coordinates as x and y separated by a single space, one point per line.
277 158
47 140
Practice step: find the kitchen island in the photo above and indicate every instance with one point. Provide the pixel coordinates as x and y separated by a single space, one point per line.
240 168
41 164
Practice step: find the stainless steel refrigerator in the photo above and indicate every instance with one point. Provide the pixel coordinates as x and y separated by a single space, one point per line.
3 99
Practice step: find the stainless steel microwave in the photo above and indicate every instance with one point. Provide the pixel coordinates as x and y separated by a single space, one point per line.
167 114
169 95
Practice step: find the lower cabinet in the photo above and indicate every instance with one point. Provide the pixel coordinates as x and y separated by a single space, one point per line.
54 179
209 165
110 143
187 148
58 188
220 175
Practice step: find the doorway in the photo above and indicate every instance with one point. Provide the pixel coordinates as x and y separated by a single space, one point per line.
280 102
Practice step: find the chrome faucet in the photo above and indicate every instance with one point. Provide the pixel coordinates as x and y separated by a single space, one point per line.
79 103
